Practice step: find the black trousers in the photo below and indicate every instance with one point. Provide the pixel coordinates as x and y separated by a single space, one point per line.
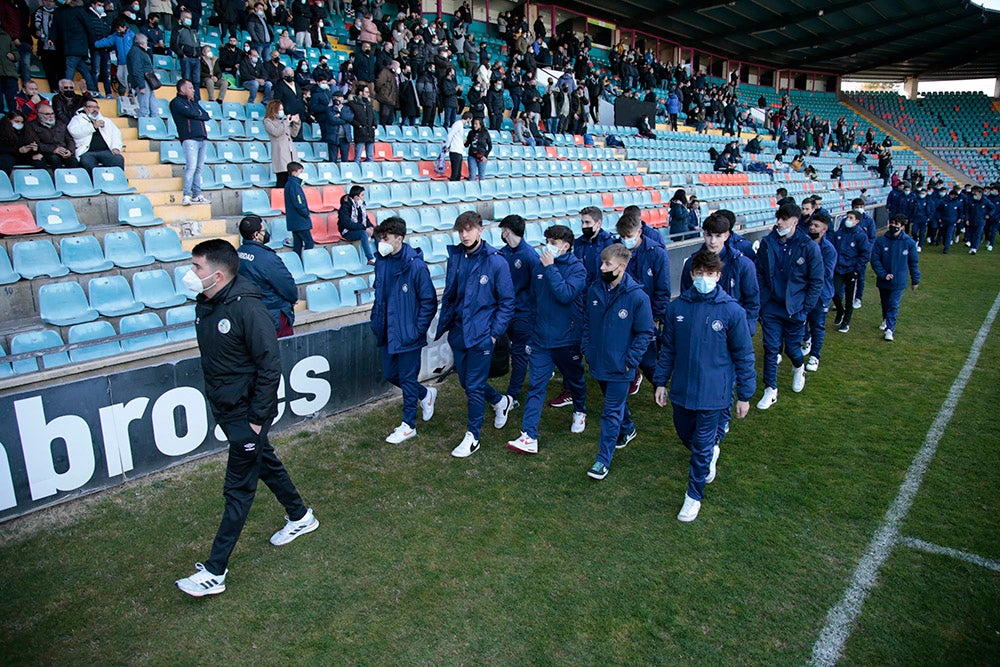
251 457
845 288
456 166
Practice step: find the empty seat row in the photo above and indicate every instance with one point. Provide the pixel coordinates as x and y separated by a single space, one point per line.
60 217
39 183
64 303
46 339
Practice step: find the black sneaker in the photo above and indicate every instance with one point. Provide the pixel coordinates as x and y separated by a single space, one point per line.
838 320
598 471
623 440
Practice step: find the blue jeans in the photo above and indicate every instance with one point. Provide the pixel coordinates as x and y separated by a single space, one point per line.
569 361
697 429
76 64
473 368
252 86
361 236
890 299
450 114
100 67
477 169
367 149
147 107
339 152
402 370
616 420
191 70
194 160
552 125
777 329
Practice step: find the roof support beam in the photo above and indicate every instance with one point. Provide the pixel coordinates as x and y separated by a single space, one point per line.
791 19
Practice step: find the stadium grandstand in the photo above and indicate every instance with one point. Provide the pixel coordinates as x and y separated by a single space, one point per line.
92 260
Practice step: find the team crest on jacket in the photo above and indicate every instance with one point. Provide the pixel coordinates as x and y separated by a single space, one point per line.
527 349
680 318
905 253
483 279
717 325
224 326
800 261
517 263
406 288
622 314
649 271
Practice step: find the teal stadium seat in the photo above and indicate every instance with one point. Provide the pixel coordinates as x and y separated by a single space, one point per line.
58 216
75 183
111 296
125 250
164 244
180 315
155 289
317 261
346 257
6 189
322 297
142 322
354 289
230 176
294 266
35 184
233 111
83 254
33 341
93 331
34 259
63 304
112 181
137 211
7 273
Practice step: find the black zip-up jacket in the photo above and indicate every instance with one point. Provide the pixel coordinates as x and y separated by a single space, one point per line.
239 354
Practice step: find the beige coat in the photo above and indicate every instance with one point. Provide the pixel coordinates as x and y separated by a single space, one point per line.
282 148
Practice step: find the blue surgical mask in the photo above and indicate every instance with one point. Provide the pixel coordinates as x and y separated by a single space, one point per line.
783 232
705 284
630 243
553 250
17 126
849 223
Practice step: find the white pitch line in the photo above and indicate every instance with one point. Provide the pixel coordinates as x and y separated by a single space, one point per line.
975 559
840 619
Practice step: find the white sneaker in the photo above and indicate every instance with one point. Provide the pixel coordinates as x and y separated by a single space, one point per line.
579 422
403 432
689 511
812 365
467 447
203 582
798 379
502 410
778 358
857 304
201 199
524 444
807 347
881 327
920 248
427 404
968 244
972 252
769 398
293 529
186 201
989 248
716 450
888 335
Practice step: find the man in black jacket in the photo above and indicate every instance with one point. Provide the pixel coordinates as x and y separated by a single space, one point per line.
241 365
262 267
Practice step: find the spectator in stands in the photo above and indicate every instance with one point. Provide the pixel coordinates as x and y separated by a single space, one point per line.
364 67
18 144
522 132
618 331
212 76
353 222
815 330
190 119
230 57
387 93
186 46
139 65
679 216
369 30
475 313
707 350
72 39
303 76
260 32
262 267
405 303
273 68
67 101
427 92
478 145
98 140
242 372
790 277
54 142
335 124
99 27
229 13
364 125
297 217
578 111
894 257
409 100
121 40
27 100
290 94
551 104
494 105
251 77
52 60
450 92
281 127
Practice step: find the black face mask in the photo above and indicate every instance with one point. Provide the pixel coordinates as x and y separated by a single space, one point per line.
608 276
814 235
267 237
589 232
894 231
67 93
289 78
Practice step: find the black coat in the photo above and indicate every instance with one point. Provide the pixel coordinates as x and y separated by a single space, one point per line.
364 121
408 104
71 33
290 99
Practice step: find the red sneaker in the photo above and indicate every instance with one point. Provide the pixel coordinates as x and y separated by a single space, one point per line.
561 401
636 383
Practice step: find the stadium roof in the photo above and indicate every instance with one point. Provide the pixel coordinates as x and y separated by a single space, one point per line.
866 39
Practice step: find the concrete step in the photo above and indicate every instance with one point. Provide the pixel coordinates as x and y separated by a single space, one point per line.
170 197
129 134
211 228
190 242
178 213
141 171
158 185
138 156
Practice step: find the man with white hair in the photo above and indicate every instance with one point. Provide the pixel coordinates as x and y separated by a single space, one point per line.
98 140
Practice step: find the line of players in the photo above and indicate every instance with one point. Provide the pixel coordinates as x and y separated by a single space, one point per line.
937 218
606 298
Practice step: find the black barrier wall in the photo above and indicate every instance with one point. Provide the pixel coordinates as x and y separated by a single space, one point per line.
70 439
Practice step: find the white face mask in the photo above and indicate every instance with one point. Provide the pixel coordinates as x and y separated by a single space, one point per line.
194 283
385 248
555 251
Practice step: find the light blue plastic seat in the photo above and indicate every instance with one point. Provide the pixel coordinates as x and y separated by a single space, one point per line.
58 216
75 183
233 111
137 211
63 304
35 184
437 275
254 130
231 152
112 181
304 152
256 151
7 273
409 172
322 297
377 195
350 172
142 322
111 296
6 189
439 245
437 192
347 258
257 202
423 244
317 261
232 129
326 173
80 333
83 254
162 106
411 216
171 152
156 129
254 175
37 340
294 266
164 244
33 259
5 369
155 289
354 287
125 250
180 315
208 178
